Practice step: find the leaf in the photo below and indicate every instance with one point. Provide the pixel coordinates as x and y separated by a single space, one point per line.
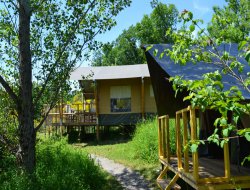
247 57
149 47
155 52
191 28
247 136
242 44
194 147
225 132
223 122
222 143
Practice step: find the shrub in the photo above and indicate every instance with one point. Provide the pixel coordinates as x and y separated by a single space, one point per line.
145 140
59 166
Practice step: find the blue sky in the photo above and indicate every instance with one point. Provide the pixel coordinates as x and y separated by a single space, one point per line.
202 9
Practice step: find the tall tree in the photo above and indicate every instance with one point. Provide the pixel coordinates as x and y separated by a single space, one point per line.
125 50
231 23
41 41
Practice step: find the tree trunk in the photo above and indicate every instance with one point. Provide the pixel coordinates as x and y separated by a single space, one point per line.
27 135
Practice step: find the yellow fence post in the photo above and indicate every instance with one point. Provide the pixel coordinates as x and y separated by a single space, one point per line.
193 139
159 137
167 139
163 130
185 140
178 141
226 161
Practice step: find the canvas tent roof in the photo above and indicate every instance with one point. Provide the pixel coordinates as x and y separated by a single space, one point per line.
110 72
164 68
195 71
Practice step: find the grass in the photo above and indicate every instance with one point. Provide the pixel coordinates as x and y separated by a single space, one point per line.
58 167
139 153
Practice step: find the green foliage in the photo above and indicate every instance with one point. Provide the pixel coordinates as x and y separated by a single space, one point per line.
58 167
209 91
126 50
145 140
40 43
231 23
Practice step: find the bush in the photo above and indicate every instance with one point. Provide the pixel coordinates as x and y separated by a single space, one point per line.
59 166
145 140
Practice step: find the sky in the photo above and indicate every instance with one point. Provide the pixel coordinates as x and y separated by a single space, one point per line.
202 9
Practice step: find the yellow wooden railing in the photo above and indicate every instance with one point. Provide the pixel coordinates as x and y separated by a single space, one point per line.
164 140
72 114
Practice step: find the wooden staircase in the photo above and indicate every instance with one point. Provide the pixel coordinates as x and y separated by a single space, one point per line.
167 184
164 152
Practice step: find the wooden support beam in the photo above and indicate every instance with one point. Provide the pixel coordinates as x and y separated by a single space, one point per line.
185 140
178 141
193 139
163 173
97 111
160 137
227 161
142 98
173 181
167 138
164 148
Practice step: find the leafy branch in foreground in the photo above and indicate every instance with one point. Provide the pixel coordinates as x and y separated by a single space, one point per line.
209 92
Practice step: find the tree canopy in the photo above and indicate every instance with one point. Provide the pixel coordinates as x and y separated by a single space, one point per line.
126 50
40 43
209 92
231 23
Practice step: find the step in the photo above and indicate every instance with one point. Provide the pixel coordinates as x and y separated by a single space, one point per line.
163 183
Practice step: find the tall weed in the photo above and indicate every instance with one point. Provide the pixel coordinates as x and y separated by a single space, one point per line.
59 166
145 140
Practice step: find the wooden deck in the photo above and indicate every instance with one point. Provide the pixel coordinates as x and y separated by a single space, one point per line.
72 115
199 172
72 119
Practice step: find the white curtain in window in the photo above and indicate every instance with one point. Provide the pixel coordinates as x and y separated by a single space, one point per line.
120 92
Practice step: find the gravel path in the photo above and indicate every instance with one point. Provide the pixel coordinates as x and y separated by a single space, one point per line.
128 178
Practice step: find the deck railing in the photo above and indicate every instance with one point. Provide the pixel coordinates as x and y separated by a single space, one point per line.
72 114
187 132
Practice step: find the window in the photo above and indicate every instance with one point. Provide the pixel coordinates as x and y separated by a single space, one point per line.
120 98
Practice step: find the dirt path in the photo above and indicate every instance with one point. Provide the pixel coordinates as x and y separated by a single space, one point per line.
128 178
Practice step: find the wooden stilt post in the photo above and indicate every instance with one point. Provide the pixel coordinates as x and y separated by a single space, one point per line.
194 138
97 112
178 140
226 161
160 137
142 98
185 140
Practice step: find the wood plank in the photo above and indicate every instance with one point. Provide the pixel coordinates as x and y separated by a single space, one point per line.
185 141
194 138
178 140
168 138
160 137
163 183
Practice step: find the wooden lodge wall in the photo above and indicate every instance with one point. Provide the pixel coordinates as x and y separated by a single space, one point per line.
103 89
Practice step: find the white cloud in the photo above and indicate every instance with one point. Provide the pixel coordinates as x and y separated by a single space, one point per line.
201 8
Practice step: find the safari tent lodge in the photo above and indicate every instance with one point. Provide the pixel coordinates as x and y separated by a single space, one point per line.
112 96
211 167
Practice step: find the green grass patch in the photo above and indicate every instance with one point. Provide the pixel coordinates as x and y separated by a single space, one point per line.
58 167
140 153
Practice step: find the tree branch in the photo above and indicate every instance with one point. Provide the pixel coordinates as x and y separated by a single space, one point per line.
63 49
11 93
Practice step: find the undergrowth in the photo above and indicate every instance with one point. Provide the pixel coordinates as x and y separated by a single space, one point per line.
58 167
145 140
